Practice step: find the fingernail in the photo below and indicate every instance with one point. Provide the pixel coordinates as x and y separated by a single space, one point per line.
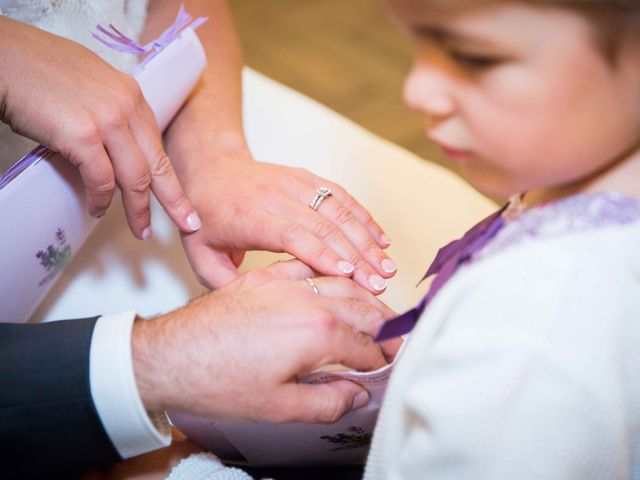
384 238
193 220
345 267
388 266
360 400
377 282
146 233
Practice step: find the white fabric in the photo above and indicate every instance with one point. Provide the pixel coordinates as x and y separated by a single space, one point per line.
204 466
524 366
115 393
73 19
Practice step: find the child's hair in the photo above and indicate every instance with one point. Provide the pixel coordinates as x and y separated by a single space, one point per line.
612 19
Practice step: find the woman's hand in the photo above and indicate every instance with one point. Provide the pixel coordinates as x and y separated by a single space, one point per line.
237 353
62 95
251 205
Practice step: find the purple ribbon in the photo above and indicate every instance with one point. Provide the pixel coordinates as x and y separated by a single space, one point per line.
38 153
122 43
448 259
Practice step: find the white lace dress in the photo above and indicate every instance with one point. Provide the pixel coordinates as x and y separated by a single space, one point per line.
73 19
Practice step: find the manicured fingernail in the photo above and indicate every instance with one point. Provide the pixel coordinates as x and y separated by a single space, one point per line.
193 220
345 267
146 233
388 266
360 400
377 282
384 238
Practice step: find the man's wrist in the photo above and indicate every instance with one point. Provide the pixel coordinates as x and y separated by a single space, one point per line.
149 368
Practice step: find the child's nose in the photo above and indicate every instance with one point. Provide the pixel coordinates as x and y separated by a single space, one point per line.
427 90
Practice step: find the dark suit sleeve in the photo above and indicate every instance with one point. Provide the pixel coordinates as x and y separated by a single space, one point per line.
49 427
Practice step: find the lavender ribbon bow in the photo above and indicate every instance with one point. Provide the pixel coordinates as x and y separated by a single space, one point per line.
127 45
447 261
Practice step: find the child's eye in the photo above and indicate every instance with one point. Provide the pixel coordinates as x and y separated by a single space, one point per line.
473 61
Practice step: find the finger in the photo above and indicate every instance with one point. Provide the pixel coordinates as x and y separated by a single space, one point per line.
336 287
339 335
329 234
132 176
164 181
213 268
291 270
278 235
390 348
364 243
319 403
97 176
361 213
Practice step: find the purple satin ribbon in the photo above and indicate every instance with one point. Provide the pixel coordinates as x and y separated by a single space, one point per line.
127 45
38 153
447 261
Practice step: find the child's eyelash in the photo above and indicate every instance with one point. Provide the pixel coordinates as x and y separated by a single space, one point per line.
472 60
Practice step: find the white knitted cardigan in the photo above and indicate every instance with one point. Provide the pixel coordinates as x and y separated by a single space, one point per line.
526 365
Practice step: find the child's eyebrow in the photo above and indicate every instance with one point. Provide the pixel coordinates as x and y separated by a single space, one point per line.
444 35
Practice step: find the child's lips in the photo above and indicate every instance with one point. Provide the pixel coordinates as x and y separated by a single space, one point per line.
455 154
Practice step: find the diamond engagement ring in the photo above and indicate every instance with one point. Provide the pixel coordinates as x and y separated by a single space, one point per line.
313 286
321 194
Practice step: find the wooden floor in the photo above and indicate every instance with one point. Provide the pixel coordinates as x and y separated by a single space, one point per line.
344 53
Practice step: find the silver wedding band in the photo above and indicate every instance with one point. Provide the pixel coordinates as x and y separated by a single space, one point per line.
313 286
321 194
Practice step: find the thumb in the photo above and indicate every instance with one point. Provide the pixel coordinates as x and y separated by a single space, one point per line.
213 268
321 402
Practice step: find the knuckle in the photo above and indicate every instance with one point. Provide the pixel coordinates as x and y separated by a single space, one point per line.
371 247
88 135
326 230
323 322
113 119
292 233
106 186
343 215
331 409
140 184
256 276
161 164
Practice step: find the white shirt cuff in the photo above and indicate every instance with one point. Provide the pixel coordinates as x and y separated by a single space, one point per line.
115 393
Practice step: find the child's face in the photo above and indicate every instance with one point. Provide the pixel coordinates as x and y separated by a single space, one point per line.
521 97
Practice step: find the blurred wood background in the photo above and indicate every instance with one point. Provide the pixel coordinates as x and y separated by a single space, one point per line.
344 53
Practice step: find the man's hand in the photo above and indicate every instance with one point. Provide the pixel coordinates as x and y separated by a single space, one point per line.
62 95
237 353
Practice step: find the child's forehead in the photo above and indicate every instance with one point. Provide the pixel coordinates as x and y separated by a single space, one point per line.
498 22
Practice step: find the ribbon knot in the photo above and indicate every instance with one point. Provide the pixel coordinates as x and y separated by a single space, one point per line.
121 43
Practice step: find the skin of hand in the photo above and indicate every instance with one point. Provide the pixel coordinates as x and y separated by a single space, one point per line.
245 204
62 95
238 352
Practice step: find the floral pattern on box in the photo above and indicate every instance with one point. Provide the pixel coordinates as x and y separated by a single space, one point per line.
54 257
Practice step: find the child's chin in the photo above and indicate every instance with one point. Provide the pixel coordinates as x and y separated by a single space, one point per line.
491 187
